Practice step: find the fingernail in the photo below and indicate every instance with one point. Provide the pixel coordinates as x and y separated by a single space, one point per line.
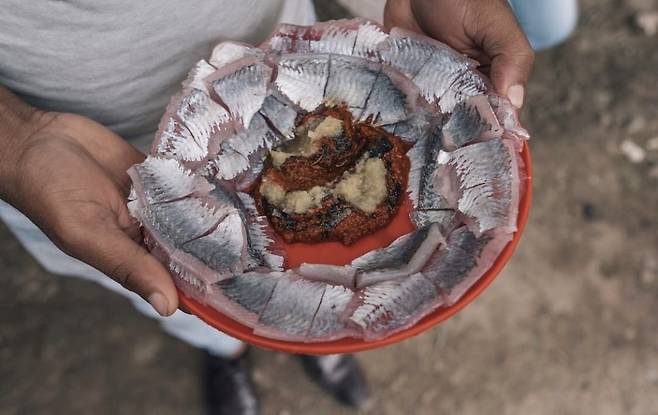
159 303
516 93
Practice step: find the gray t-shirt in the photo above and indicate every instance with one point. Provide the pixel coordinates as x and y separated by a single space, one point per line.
119 61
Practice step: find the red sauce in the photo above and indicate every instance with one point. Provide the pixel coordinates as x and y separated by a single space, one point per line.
337 220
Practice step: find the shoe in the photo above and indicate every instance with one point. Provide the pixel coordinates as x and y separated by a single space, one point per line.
339 375
229 388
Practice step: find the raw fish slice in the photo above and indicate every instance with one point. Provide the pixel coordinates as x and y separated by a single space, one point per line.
234 155
190 275
260 250
406 52
329 323
280 116
393 99
303 78
341 275
193 286
290 311
463 261
356 37
260 235
246 180
201 70
369 39
398 253
167 230
482 182
406 258
423 156
228 52
507 115
163 180
416 128
472 120
181 221
242 87
335 39
431 65
391 306
244 297
224 248
176 141
202 116
445 219
290 38
350 82
469 84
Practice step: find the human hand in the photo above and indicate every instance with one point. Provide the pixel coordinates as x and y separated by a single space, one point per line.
485 30
68 175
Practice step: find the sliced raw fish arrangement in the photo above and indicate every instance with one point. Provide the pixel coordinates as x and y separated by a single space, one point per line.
320 135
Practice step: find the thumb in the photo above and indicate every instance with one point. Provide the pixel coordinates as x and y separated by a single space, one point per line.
509 73
118 256
502 40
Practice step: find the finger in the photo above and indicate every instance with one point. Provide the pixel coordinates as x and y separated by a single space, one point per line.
110 151
121 258
512 58
509 73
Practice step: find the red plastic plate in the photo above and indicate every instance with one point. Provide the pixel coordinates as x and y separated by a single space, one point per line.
337 254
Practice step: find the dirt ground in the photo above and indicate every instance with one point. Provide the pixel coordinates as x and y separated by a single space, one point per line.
570 327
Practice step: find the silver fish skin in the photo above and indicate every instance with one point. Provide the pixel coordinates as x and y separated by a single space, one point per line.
202 117
423 156
469 84
195 79
463 261
260 250
281 116
431 65
360 38
260 235
445 219
303 78
370 36
175 141
290 311
392 306
398 253
329 322
481 181
350 81
193 121
356 37
228 52
508 118
406 52
472 120
223 249
414 129
158 180
242 87
245 180
393 99
244 297
333 274
289 38
407 258
181 221
234 154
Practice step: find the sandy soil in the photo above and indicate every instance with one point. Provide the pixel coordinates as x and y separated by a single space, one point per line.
570 327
